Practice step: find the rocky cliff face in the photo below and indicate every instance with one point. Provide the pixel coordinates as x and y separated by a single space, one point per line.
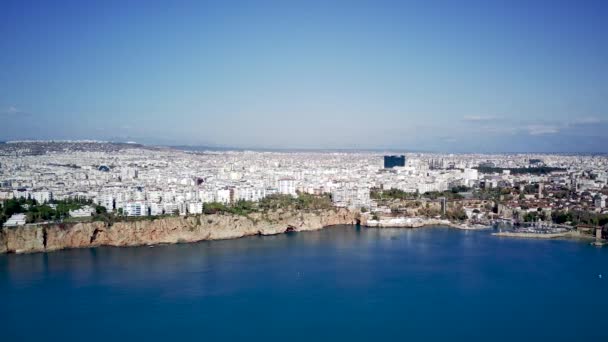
165 230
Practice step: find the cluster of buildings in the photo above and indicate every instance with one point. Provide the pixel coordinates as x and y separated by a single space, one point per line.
564 191
136 180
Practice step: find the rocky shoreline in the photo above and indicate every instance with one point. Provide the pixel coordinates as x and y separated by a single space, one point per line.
167 230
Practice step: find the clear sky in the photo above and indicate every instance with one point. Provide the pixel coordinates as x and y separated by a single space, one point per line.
487 76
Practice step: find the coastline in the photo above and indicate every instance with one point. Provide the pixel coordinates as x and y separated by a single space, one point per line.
167 230
189 229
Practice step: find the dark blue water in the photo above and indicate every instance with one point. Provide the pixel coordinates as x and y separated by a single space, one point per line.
344 283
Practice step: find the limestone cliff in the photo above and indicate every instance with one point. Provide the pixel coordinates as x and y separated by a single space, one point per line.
166 230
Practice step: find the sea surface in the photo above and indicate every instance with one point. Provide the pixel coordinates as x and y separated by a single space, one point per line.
341 284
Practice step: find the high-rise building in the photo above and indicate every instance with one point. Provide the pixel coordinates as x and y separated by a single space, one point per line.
394 161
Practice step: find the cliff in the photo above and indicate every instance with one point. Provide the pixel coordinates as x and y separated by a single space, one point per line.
47 238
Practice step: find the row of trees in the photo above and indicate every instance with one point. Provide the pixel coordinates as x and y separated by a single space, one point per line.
273 202
238 208
580 217
378 194
574 217
453 194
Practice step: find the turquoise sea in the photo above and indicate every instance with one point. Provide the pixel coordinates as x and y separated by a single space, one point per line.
343 283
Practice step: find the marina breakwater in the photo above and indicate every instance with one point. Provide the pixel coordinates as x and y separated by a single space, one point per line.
405 222
417 222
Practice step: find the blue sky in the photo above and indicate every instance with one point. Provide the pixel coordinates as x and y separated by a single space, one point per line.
482 76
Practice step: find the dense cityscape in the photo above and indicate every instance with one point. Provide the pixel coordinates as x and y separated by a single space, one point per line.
304 170
65 181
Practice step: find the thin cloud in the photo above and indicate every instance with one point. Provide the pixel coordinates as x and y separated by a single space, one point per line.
535 128
479 118
542 129
586 121
449 139
13 111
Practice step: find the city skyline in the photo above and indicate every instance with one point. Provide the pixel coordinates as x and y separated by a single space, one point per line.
412 76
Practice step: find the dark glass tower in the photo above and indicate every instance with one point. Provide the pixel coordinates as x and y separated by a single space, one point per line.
392 161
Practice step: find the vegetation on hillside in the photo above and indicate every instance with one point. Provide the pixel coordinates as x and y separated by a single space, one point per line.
54 210
58 210
577 217
273 202
396 194
495 194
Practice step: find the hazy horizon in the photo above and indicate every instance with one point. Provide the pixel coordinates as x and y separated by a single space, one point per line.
467 76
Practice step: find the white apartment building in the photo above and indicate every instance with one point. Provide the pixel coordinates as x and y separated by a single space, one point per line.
351 197
128 173
287 186
135 208
15 220
430 186
154 196
106 201
42 196
470 175
85 211
599 201
169 208
195 208
205 196
22 193
156 209
222 196
250 194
